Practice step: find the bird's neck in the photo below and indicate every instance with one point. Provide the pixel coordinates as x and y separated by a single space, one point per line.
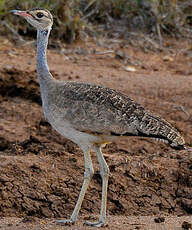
42 66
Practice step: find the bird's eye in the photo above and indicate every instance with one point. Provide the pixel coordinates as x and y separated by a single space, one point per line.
39 15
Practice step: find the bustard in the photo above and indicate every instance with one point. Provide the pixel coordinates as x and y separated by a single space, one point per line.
91 115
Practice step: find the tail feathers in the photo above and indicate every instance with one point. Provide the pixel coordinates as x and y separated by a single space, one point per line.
155 127
160 129
176 147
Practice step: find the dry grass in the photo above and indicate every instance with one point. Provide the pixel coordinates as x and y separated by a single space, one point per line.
76 19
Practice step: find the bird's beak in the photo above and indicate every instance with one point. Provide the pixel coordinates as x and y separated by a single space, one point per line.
20 13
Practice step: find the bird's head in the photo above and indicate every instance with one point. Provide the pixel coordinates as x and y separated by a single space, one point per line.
41 19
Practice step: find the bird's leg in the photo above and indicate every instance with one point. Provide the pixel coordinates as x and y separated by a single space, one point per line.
89 171
104 171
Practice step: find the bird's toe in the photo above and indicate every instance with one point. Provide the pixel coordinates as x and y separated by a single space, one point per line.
65 222
95 224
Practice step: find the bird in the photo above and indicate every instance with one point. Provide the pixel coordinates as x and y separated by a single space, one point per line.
91 115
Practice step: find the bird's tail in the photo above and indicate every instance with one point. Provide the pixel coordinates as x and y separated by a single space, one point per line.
161 130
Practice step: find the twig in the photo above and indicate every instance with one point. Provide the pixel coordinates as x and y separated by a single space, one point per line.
89 4
4 23
105 52
146 38
181 108
159 34
89 14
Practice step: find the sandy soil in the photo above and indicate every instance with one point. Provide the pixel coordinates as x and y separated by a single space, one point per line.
114 223
41 172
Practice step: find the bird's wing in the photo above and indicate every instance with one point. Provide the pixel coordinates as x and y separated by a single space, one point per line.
94 108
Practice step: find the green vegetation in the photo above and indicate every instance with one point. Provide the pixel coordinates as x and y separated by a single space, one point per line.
76 18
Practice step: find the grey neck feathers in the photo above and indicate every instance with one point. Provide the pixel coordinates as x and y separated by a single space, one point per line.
42 67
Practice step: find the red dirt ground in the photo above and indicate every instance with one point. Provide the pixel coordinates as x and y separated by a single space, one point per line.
41 172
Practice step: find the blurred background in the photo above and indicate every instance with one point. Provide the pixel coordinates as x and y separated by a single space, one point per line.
75 19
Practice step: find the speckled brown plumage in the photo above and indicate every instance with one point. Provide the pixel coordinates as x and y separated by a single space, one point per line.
90 108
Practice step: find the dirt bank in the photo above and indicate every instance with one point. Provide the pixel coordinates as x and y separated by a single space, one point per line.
41 172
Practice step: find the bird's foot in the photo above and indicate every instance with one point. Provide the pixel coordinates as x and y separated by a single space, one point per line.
65 222
97 224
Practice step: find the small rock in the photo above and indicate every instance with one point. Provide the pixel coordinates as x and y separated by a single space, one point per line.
159 219
186 225
28 219
82 51
4 195
86 59
46 212
129 68
168 58
181 72
4 178
8 67
186 204
35 168
120 54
